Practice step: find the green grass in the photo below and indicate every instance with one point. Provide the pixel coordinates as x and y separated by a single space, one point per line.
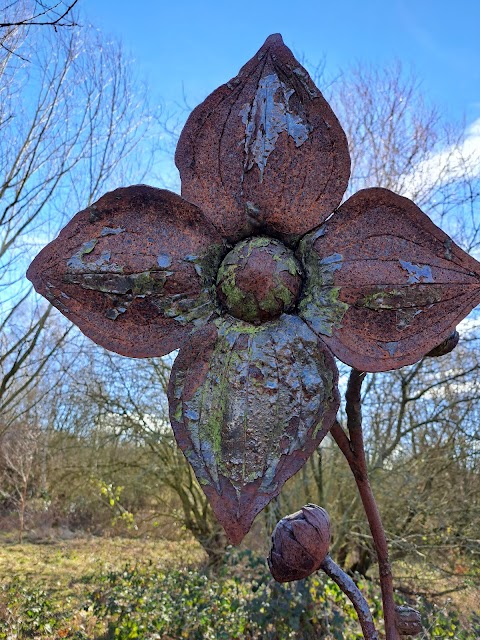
120 589
52 581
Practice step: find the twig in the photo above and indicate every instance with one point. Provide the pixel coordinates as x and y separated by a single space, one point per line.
354 594
33 20
354 451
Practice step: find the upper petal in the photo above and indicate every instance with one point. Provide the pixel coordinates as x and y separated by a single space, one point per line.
134 271
265 151
385 284
248 406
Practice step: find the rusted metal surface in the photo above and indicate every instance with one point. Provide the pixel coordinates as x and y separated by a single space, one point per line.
135 271
265 152
392 284
445 347
251 396
248 406
409 622
300 543
259 280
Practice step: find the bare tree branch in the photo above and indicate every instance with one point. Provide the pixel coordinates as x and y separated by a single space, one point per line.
42 15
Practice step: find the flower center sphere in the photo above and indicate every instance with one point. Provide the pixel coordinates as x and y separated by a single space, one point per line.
259 279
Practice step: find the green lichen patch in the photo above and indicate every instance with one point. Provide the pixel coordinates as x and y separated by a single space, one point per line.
185 308
263 395
137 284
259 280
207 264
320 304
390 297
122 289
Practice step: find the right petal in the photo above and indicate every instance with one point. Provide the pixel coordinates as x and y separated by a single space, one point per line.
384 285
135 271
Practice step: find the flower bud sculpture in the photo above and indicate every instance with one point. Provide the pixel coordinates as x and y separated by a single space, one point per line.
300 544
445 347
408 621
258 285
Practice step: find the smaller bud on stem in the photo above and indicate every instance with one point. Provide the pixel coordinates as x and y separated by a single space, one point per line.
445 347
408 621
300 543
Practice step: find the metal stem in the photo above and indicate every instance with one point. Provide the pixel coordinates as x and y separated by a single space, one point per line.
354 451
354 594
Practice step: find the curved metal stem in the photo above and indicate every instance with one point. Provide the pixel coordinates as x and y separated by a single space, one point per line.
354 594
354 451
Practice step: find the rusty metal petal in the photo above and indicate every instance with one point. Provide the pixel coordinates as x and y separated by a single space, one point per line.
265 152
385 285
135 271
248 406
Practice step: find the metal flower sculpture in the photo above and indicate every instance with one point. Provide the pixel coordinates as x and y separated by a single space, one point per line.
258 285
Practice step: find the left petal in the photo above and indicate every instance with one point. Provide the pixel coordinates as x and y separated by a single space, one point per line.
135 271
385 285
248 406
265 152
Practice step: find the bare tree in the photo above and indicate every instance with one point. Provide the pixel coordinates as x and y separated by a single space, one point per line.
71 116
399 141
130 400
18 450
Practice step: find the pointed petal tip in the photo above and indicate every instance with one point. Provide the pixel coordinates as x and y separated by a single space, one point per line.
235 534
34 270
29 274
236 527
273 40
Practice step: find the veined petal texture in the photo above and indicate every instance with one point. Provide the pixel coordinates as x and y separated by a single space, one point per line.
248 406
135 271
265 152
385 285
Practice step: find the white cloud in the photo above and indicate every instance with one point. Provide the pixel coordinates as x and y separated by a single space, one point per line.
452 163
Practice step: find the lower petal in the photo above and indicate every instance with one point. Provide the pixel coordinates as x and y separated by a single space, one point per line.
248 406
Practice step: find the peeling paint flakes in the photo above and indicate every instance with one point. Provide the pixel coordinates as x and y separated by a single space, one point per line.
112 314
265 119
54 299
390 348
240 420
164 261
78 263
417 273
447 245
110 231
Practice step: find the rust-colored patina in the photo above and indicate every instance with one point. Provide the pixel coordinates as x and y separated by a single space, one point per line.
256 283
408 620
265 152
300 544
135 271
259 280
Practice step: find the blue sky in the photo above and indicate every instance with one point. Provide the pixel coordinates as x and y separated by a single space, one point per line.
195 46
